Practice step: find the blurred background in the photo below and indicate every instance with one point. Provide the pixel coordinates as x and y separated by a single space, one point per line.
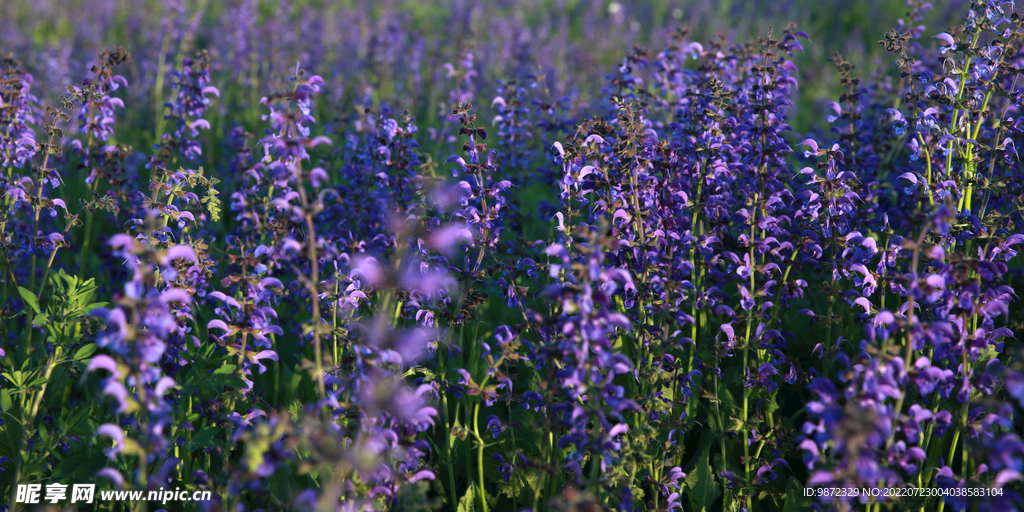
412 54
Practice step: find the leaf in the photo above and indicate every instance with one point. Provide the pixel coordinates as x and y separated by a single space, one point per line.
227 369
234 381
295 408
468 501
67 467
708 395
735 424
206 437
701 483
40 320
212 202
29 298
85 351
795 502
70 280
281 488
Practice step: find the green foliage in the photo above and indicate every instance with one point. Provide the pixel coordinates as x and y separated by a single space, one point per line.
700 482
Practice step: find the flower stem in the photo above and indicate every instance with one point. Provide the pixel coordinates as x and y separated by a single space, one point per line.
480 458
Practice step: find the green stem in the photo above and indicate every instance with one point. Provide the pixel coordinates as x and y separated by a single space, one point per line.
479 458
746 355
447 434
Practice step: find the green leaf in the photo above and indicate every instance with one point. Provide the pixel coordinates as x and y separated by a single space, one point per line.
468 501
29 298
281 488
234 381
212 203
67 467
795 502
701 482
85 351
295 408
71 280
206 437
226 369
735 424
41 319
95 305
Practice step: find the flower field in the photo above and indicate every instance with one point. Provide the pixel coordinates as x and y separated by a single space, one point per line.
513 255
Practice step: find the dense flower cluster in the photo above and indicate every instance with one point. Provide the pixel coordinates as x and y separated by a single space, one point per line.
662 300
